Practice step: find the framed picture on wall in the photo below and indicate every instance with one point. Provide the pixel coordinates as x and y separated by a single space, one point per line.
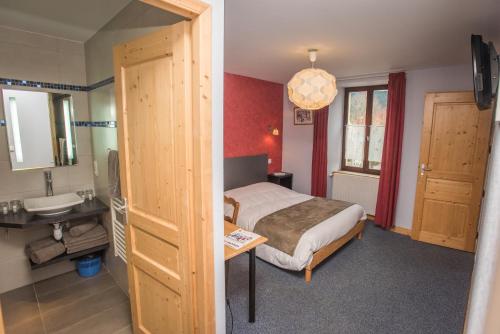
302 116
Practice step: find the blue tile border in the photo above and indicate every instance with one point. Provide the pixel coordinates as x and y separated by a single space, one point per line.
58 86
95 124
40 84
84 124
101 83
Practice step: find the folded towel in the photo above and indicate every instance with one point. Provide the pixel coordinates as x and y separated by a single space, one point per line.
80 229
95 233
39 244
44 250
95 243
86 242
113 174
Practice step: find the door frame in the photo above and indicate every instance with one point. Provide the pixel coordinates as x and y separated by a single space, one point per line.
200 14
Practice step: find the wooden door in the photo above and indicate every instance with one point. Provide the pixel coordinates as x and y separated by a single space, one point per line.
453 156
153 89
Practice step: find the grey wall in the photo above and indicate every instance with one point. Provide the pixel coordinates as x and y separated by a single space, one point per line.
31 56
135 20
418 83
297 140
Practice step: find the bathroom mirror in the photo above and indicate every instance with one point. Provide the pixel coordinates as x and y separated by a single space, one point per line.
40 129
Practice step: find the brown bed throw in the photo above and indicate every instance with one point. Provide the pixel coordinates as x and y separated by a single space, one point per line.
284 228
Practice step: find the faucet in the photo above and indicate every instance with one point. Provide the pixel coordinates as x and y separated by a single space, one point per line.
48 183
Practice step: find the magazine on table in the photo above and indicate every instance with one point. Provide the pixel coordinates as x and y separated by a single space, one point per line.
239 238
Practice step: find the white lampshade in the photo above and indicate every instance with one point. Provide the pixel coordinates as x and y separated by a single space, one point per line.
312 88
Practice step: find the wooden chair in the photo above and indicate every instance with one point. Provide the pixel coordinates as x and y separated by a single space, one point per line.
236 209
233 219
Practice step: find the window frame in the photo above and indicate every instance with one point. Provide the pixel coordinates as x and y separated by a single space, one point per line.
368 122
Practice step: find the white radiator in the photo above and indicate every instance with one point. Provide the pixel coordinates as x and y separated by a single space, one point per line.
118 221
356 188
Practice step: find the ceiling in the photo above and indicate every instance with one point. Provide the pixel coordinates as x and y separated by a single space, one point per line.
269 39
76 20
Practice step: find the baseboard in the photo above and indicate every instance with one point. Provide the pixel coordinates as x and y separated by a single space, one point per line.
401 230
395 229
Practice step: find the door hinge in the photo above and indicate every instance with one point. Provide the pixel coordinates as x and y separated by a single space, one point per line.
484 193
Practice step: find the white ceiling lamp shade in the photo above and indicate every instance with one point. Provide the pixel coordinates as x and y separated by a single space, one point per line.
312 88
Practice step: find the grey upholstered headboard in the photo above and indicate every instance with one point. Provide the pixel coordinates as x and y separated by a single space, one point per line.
242 171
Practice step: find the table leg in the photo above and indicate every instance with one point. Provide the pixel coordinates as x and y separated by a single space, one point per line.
251 288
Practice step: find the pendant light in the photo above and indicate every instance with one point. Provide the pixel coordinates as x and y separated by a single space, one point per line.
312 88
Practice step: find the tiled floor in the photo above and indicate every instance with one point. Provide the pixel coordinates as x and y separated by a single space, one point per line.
68 304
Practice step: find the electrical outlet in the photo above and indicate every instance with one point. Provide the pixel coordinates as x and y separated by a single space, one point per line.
269 161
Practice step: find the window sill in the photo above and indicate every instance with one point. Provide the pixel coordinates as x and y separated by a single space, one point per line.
345 172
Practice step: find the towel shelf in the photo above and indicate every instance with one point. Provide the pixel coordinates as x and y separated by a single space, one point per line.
73 256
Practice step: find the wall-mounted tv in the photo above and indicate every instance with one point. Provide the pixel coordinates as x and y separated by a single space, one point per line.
485 70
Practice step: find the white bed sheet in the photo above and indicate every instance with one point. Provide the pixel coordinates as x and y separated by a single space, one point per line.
261 199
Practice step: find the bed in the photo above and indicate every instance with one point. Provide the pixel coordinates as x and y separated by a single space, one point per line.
245 181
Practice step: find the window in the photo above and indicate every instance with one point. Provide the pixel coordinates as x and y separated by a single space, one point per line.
365 110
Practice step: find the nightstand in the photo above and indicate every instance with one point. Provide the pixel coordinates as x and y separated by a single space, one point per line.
283 179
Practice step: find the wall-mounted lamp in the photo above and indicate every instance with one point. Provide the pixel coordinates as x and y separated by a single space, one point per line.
273 131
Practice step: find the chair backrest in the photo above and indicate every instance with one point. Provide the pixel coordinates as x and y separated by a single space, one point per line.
236 208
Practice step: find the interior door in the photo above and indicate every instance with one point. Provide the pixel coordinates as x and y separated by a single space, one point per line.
453 156
153 89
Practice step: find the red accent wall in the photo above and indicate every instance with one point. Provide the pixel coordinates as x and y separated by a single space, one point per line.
250 107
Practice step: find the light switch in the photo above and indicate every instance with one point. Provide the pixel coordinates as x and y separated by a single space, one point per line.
269 161
96 169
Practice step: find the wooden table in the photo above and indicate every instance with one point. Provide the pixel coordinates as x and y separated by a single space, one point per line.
229 253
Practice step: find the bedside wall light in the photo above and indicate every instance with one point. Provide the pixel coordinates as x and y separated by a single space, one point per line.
273 131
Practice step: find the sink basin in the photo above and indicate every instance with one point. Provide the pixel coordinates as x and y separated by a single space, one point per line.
52 205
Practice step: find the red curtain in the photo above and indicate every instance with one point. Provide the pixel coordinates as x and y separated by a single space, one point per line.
391 156
319 158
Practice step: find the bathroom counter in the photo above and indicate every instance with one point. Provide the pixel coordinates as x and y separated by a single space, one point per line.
24 219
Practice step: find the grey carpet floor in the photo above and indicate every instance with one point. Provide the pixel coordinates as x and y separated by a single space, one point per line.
384 283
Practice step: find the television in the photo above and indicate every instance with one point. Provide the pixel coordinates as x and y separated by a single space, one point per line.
485 71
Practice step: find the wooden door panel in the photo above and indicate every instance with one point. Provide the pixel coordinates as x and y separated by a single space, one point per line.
455 191
165 306
155 113
453 138
153 76
445 223
453 155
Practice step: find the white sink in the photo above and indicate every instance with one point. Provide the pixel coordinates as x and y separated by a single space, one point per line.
52 205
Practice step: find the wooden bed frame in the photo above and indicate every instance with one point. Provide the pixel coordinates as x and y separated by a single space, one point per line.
329 249
246 170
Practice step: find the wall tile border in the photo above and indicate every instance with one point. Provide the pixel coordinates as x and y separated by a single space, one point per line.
58 86
39 84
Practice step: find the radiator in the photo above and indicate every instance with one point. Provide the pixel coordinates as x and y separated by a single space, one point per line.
118 221
356 188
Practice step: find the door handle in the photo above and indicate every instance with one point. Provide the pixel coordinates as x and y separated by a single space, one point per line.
424 169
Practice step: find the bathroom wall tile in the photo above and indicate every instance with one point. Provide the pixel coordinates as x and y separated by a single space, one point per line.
82 174
60 177
14 36
84 309
71 68
19 274
83 140
4 146
12 243
81 106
